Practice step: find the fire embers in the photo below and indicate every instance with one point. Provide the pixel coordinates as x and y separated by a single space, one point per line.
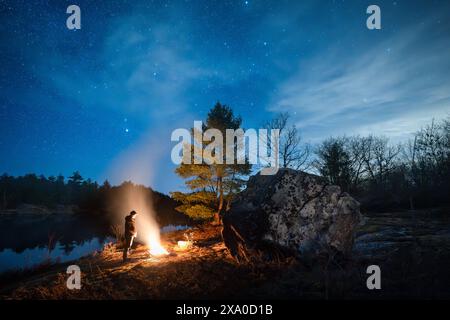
156 253
155 247
183 245
157 250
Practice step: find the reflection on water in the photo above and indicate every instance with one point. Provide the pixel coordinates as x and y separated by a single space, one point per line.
25 239
171 228
9 259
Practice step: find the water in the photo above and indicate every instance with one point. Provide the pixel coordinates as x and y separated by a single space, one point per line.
25 239
30 257
171 228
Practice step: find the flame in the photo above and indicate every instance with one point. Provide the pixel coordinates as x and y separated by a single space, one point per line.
184 244
158 250
155 246
136 164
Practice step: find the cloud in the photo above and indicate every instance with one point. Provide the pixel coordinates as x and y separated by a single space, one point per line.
140 67
155 67
392 88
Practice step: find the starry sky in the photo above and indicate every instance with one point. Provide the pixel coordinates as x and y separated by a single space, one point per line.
104 99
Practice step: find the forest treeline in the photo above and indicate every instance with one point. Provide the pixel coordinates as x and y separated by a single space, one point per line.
97 201
382 175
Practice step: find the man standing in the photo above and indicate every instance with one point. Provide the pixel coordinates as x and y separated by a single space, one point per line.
130 233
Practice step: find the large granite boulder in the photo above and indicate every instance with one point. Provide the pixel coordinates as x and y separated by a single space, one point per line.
290 213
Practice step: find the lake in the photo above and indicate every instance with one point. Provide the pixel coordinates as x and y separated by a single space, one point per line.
29 240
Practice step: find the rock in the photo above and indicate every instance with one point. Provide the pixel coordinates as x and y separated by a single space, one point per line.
292 213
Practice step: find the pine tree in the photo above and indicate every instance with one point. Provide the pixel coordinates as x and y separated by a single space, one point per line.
212 186
334 163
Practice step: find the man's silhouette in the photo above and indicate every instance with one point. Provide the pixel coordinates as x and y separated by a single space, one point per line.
130 233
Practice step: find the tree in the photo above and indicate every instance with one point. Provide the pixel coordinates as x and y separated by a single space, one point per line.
211 184
106 185
333 162
61 190
429 162
76 179
380 159
75 186
293 154
5 186
357 149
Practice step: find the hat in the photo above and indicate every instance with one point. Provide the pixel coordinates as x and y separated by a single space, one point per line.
132 213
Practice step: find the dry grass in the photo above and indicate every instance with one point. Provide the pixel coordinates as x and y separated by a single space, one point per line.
207 271
118 233
203 270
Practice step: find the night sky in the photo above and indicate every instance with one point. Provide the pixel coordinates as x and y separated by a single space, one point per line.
104 99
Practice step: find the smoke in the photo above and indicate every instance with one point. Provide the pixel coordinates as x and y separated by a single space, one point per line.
138 165
140 161
141 164
139 199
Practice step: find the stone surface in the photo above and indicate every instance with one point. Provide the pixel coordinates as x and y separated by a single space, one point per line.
292 213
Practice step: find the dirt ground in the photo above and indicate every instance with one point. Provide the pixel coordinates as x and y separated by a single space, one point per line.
203 271
413 266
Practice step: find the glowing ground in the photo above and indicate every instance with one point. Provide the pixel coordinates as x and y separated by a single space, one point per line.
419 250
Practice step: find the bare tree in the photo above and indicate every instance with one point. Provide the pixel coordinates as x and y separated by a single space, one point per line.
357 149
432 142
408 159
293 153
380 158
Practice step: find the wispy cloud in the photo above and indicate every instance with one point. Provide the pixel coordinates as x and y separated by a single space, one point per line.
138 72
392 88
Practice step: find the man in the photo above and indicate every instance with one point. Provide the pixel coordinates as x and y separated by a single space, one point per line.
130 233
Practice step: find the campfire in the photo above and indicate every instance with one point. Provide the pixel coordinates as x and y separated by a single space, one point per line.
158 250
183 245
155 247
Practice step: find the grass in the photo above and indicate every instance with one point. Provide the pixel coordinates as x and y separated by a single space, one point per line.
207 271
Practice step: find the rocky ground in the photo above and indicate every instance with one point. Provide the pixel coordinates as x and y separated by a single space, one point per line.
412 249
